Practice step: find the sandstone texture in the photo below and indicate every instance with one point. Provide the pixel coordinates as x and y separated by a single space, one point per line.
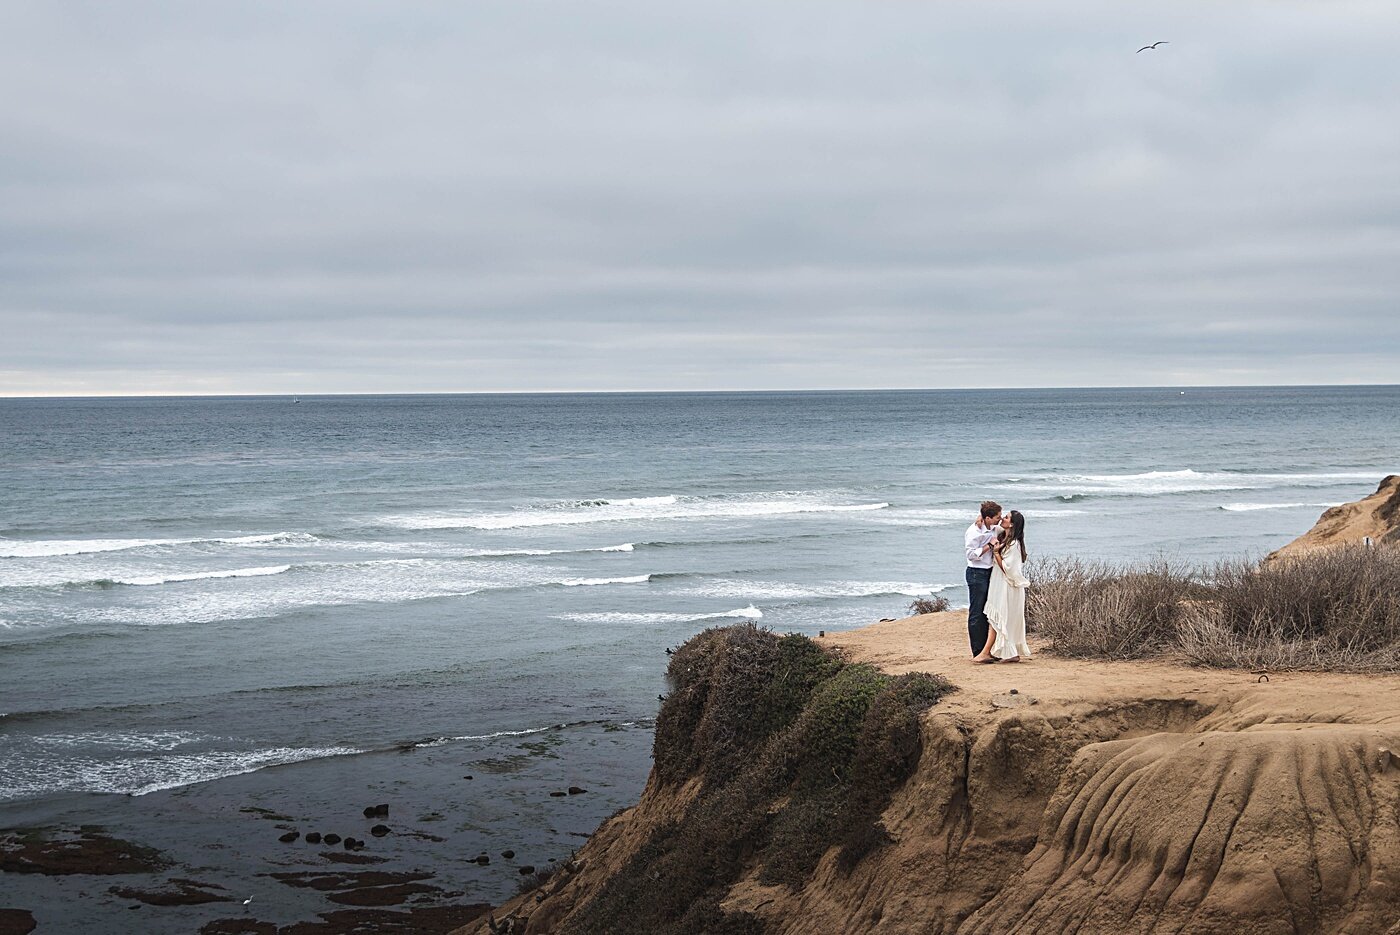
1125 797
1376 517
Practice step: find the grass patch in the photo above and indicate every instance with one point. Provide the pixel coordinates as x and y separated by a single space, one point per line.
1329 610
798 752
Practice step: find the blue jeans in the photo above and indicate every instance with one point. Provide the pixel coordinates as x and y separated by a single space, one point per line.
979 581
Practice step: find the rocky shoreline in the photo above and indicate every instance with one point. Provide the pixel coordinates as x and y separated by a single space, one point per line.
434 836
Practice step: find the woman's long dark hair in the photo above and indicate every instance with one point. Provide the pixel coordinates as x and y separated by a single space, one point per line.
1017 534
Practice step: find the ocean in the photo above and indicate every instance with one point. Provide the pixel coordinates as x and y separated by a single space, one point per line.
224 617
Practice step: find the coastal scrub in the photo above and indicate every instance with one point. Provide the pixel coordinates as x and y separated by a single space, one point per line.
798 752
1335 609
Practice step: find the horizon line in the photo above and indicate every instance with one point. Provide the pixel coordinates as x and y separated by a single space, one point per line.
694 392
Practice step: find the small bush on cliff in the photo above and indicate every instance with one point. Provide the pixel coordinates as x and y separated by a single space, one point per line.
936 604
1335 609
799 752
731 689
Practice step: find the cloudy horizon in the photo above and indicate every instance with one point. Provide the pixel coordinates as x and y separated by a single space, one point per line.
426 197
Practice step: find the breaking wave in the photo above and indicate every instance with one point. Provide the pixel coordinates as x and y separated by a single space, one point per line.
43 548
639 508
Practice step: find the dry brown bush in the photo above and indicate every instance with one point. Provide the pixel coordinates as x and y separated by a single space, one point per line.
935 604
1332 610
1097 610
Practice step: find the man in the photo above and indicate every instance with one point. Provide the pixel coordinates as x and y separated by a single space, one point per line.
977 543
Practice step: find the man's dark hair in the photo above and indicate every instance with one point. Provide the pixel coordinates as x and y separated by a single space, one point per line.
990 508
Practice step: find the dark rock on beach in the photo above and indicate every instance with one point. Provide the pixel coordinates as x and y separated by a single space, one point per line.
507 854
179 893
527 870
16 922
558 795
88 851
379 830
238 927
289 837
355 858
575 790
313 837
331 839
392 895
427 920
266 813
329 880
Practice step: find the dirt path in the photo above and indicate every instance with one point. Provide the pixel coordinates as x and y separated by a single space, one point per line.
938 643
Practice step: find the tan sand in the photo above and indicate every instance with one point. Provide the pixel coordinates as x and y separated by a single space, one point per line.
938 643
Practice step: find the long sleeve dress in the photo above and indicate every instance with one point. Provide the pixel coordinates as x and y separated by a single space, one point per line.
1006 606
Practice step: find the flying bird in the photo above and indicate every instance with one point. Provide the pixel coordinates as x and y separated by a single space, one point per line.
1153 46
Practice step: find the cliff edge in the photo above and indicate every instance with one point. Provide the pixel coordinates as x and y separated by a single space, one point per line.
1376 517
1054 796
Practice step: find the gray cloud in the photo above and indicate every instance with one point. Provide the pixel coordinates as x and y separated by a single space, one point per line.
432 197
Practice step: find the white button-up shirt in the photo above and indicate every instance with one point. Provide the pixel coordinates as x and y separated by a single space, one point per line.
974 540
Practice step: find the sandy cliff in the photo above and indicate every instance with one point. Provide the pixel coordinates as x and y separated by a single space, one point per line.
1100 797
1376 517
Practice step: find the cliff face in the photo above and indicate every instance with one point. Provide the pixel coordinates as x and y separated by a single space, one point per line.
1135 797
1376 516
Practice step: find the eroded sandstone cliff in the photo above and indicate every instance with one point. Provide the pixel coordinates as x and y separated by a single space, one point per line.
1376 517
1097 798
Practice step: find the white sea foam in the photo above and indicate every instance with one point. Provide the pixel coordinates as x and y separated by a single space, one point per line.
438 742
44 548
637 509
742 613
666 500
1251 507
508 553
202 575
123 740
831 590
587 582
1151 483
387 581
188 769
26 776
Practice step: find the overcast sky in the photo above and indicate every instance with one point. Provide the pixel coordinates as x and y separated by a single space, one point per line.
529 195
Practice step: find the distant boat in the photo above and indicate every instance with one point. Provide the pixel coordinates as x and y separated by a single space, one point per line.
296 400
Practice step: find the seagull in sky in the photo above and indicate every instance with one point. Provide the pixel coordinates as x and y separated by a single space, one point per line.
1153 45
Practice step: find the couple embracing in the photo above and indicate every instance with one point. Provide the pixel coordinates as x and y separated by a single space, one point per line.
996 617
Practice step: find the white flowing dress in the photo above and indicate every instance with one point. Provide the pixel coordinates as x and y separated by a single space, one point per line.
1006 606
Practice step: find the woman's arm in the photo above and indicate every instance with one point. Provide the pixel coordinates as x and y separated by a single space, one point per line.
1013 574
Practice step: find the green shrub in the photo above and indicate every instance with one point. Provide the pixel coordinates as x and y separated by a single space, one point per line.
800 752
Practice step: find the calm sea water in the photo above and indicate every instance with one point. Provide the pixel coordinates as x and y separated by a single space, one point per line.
307 605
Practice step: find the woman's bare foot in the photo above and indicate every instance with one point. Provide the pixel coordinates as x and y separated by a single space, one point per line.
982 660
1012 659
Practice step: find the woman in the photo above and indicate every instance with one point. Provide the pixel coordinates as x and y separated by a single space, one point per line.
1006 598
